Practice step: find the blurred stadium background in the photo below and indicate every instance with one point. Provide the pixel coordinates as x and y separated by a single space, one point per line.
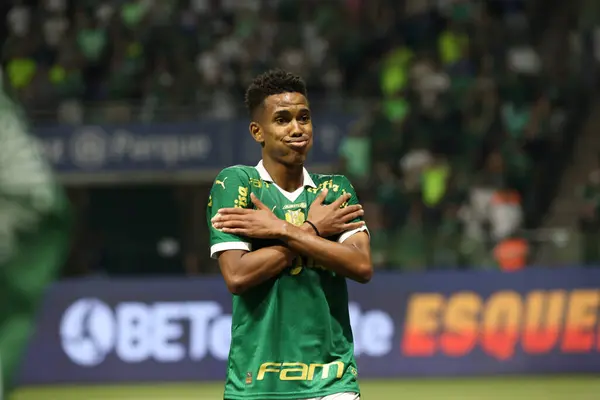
469 128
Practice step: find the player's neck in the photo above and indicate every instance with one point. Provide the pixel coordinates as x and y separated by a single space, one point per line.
287 177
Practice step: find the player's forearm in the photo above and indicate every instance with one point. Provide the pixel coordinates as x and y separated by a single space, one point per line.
348 261
258 266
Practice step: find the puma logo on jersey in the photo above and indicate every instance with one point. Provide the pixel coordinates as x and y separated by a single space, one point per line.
222 183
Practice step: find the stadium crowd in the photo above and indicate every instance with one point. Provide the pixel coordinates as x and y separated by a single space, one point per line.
459 111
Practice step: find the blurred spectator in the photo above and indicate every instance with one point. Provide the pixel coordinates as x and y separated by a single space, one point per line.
483 212
21 69
91 38
19 18
453 45
505 214
511 253
355 154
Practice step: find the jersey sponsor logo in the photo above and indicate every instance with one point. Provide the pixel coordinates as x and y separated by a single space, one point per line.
325 185
329 185
345 204
242 199
373 333
221 182
538 322
297 371
257 183
297 205
135 332
297 266
302 262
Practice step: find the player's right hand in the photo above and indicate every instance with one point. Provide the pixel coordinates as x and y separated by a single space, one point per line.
332 220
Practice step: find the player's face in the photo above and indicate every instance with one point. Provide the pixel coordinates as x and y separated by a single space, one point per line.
284 128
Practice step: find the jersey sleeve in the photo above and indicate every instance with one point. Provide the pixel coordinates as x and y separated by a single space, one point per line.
346 187
230 189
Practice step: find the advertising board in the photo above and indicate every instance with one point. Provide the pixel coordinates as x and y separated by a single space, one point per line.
206 145
434 324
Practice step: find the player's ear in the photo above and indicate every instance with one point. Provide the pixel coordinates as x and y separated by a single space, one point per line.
256 132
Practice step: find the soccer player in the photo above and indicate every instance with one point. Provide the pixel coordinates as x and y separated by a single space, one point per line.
286 241
34 236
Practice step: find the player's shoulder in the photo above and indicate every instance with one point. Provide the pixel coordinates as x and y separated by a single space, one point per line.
243 172
335 179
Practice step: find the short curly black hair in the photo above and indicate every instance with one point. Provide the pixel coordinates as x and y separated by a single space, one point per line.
270 83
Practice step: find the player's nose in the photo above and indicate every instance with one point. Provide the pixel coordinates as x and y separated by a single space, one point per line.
296 128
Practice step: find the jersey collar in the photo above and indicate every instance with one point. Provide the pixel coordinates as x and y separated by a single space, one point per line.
264 175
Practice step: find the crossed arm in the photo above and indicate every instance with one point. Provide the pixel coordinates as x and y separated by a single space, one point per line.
243 270
351 259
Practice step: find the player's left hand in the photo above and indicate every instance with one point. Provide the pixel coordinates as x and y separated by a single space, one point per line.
260 223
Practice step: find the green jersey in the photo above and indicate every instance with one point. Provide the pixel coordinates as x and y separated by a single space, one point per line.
291 335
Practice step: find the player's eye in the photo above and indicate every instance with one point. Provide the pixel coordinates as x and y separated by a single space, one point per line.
304 118
279 121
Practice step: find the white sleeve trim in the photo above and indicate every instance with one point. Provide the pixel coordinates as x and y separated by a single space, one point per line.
344 236
221 247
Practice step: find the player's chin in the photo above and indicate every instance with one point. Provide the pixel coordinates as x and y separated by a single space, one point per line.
292 159
298 156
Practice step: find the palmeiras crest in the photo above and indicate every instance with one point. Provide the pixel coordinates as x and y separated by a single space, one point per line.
295 217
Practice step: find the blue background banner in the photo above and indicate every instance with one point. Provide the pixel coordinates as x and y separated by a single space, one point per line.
206 144
434 324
